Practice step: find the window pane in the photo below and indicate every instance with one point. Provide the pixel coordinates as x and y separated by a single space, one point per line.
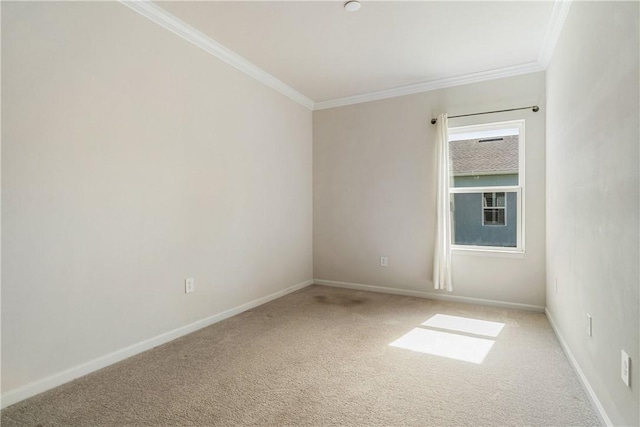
484 161
476 225
493 200
488 200
494 216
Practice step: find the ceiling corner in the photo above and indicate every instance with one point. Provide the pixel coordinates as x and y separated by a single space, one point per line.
554 29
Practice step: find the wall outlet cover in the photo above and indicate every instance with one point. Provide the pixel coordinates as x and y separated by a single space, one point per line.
189 285
625 368
384 261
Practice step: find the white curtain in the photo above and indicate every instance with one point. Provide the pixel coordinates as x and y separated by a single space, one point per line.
442 253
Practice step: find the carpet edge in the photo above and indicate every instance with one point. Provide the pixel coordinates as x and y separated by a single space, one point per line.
429 295
40 386
591 394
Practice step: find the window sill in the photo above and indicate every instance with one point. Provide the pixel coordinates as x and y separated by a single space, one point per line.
502 253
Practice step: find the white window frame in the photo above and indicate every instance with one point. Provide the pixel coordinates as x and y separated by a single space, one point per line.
518 189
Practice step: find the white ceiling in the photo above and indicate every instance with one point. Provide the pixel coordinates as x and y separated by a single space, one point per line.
327 53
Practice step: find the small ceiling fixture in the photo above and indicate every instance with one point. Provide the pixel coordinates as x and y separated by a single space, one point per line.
352 5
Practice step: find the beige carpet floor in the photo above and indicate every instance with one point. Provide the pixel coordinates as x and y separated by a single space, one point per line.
321 356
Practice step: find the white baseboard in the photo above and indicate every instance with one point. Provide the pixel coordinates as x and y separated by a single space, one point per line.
37 387
430 295
595 402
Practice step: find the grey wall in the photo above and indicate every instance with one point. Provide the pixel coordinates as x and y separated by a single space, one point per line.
131 160
468 210
593 197
467 222
374 192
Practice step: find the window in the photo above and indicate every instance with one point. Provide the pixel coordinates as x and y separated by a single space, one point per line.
493 209
487 186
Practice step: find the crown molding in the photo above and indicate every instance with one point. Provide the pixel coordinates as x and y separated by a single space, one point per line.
163 18
554 28
168 21
552 34
499 73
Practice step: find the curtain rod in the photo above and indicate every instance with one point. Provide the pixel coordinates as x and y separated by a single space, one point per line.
535 109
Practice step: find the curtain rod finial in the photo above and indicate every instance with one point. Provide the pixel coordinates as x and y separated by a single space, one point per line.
535 108
433 121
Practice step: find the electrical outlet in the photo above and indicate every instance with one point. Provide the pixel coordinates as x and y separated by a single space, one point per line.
625 368
589 325
384 261
189 285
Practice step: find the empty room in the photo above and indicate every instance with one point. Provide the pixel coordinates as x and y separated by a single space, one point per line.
308 213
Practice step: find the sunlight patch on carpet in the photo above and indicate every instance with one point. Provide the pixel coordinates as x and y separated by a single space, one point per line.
444 344
464 324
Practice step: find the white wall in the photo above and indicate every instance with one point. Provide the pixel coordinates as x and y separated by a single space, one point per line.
131 160
374 192
593 197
